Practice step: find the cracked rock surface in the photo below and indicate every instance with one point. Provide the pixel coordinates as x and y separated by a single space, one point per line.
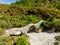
41 38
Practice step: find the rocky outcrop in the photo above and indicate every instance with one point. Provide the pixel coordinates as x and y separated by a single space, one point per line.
41 38
24 30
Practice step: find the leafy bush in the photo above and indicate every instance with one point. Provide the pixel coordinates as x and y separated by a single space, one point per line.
53 24
2 30
56 43
57 38
48 25
6 40
23 40
56 24
17 21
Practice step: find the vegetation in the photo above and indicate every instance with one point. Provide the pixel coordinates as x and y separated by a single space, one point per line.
7 40
23 40
56 43
20 40
23 12
57 40
17 21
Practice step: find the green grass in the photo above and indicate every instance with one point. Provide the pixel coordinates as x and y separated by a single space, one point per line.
23 40
17 21
19 40
7 40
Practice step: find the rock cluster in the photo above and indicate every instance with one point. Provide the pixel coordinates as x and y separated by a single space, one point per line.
24 30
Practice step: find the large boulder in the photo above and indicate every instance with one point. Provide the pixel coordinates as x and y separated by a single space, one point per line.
24 30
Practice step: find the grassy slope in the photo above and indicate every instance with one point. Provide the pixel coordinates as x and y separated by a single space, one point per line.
18 15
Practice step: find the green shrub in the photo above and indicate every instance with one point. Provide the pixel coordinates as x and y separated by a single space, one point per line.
56 43
6 40
23 40
57 38
2 30
17 21
56 24
48 25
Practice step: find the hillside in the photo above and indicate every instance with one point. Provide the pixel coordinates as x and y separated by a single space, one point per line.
24 12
